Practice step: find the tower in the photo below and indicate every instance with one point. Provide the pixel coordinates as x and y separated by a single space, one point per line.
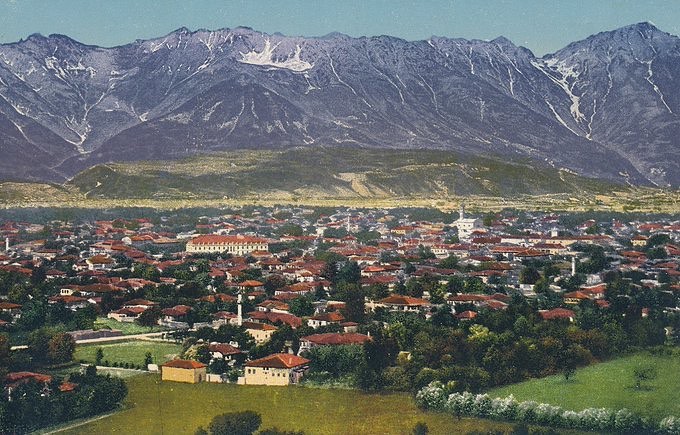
6 244
239 316
461 211
573 265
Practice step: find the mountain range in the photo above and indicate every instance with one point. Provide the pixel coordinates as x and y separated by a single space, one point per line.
605 107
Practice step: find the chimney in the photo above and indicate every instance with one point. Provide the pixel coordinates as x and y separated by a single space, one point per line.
239 318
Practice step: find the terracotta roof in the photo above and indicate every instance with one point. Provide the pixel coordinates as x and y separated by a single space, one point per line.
15 377
329 317
404 300
224 349
279 361
259 326
184 364
337 339
225 240
557 313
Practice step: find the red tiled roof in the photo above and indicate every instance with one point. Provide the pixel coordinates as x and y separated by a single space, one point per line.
404 300
225 240
556 313
184 364
15 377
279 361
329 317
337 339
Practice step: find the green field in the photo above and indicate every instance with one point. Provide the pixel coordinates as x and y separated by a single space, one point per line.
155 407
129 351
127 328
608 385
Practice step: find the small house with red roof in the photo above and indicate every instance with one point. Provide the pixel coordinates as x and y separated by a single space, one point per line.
181 370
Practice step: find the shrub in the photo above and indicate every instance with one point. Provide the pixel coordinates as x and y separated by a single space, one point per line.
235 423
670 425
434 397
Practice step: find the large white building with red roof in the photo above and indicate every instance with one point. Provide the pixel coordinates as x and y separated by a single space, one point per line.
276 369
235 245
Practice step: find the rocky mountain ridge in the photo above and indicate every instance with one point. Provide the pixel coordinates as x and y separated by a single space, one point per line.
603 107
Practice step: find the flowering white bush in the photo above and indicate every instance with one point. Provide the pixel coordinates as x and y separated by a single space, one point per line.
670 425
503 408
434 397
548 414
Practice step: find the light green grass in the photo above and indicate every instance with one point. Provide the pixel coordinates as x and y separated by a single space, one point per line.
156 407
127 328
608 385
129 351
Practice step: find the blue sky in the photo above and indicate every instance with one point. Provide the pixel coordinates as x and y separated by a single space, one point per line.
540 25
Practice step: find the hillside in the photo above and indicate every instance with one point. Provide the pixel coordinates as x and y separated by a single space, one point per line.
330 173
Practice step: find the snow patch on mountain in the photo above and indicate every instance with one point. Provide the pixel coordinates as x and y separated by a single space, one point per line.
266 58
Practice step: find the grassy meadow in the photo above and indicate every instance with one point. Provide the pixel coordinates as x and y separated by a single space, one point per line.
608 385
155 407
127 328
128 351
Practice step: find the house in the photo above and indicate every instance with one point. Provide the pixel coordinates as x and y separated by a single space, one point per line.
14 379
100 262
261 332
11 309
276 369
126 314
181 370
226 352
236 245
331 339
403 303
557 313
325 319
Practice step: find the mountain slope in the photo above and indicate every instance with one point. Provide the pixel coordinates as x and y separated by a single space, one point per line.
604 107
327 172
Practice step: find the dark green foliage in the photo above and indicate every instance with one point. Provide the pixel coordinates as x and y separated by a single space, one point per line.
33 407
235 423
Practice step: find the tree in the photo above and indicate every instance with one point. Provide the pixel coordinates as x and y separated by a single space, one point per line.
642 375
150 316
350 273
61 348
99 357
449 262
355 303
235 423
148 359
529 275
420 429
301 307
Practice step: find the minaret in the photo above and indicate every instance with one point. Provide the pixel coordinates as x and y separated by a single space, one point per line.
573 265
6 244
461 211
239 318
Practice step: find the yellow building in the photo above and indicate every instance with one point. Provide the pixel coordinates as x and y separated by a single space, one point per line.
261 332
180 370
236 245
276 369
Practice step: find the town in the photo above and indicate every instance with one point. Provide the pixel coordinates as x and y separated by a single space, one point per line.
367 299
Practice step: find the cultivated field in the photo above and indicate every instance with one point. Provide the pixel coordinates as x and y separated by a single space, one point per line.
155 407
609 385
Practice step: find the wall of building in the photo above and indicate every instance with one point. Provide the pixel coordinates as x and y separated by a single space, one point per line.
267 376
191 376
